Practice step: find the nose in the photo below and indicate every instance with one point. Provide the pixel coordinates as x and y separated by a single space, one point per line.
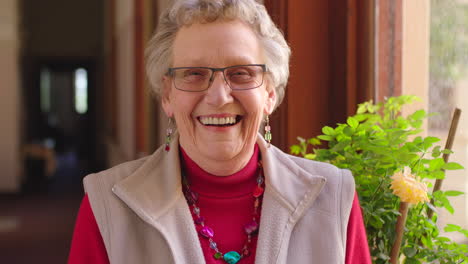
219 92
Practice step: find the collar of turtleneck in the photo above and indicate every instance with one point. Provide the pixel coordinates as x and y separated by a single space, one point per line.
238 184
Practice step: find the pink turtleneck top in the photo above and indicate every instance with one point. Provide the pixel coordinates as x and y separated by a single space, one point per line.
226 204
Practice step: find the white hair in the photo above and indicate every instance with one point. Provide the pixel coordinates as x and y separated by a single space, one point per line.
186 12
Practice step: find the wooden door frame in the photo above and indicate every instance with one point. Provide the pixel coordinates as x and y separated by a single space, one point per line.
350 67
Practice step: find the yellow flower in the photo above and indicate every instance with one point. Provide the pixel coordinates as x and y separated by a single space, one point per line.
408 188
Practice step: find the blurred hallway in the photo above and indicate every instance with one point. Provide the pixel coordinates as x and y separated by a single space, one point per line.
37 228
52 78
36 225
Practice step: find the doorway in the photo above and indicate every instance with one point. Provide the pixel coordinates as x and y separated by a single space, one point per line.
60 125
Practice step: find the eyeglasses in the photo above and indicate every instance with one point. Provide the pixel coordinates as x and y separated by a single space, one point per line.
238 77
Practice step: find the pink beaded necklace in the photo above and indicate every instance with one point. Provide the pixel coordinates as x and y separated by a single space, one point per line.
206 232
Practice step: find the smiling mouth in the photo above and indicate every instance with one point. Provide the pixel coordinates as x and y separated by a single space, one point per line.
220 121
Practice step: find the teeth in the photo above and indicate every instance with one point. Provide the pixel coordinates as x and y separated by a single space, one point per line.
218 121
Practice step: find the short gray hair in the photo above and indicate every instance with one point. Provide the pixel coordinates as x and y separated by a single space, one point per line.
186 12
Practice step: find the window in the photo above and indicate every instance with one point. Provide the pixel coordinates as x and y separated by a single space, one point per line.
81 91
45 86
448 88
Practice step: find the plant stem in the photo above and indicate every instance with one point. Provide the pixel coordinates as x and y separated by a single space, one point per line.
400 227
377 189
448 145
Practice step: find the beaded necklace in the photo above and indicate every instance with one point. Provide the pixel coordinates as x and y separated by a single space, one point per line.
206 232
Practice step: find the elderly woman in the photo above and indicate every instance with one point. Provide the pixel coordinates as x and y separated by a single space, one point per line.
217 191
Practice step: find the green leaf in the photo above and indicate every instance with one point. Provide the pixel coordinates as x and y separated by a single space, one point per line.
314 141
418 114
325 137
310 156
436 152
361 109
431 140
425 241
438 174
352 122
452 166
453 193
452 228
417 124
360 117
447 151
383 256
418 140
348 131
410 252
376 222
448 207
464 231
436 164
340 146
412 261
328 130
295 149
443 239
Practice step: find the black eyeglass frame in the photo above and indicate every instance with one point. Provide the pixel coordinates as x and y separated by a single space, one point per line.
170 72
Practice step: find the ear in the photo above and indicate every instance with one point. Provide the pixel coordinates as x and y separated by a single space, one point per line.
166 96
270 100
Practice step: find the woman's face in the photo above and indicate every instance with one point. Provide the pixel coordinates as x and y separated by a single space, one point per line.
217 45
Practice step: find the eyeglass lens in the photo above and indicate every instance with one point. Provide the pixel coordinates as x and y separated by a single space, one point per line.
238 77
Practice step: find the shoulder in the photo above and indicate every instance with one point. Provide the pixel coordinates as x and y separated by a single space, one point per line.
332 174
340 186
112 175
336 195
104 204
99 187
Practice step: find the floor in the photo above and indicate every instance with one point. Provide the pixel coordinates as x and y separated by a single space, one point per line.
36 226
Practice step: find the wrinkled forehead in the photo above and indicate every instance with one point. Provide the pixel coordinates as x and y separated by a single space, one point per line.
216 44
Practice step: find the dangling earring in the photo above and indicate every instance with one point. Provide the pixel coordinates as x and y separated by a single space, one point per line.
268 131
168 135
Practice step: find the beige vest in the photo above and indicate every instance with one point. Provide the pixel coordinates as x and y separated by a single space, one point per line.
143 216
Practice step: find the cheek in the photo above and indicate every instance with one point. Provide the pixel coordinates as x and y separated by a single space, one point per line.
183 104
183 107
258 103
255 105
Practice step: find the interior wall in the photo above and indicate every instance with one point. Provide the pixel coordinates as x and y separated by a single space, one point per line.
10 114
123 147
122 143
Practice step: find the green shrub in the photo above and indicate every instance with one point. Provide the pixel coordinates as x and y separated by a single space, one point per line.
374 144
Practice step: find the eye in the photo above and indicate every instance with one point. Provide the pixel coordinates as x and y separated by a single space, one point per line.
194 72
240 74
193 75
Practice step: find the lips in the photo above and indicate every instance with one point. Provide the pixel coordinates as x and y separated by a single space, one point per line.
219 121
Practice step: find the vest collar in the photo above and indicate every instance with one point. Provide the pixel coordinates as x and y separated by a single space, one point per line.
154 193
